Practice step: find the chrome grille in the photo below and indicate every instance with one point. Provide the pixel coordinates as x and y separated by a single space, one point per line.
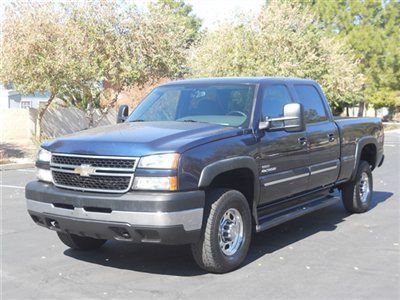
94 182
94 162
111 174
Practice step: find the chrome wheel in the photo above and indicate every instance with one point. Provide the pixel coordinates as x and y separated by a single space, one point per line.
230 234
364 188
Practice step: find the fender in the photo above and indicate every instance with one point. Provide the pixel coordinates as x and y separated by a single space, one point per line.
365 140
241 162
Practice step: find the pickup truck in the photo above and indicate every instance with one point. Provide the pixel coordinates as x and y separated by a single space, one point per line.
206 162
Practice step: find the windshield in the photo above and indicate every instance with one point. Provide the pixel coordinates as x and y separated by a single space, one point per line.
228 105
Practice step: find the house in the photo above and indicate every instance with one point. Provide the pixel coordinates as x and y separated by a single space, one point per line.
10 98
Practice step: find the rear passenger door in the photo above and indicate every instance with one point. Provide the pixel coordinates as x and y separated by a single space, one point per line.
322 136
283 156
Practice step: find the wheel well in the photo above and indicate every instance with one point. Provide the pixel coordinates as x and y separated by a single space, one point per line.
368 154
241 180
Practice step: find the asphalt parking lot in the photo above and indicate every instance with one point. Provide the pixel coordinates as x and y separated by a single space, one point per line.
328 254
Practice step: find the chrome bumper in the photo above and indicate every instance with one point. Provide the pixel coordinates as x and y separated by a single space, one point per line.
189 219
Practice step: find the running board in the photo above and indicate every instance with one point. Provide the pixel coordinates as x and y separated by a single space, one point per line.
295 212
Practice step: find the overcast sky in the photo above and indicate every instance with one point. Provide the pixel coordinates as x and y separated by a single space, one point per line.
213 11
210 11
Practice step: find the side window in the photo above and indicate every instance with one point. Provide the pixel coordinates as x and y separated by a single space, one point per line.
274 99
314 109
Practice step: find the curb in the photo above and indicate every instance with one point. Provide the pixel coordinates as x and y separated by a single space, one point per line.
16 166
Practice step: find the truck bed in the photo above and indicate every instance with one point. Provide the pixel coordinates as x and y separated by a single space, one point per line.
354 132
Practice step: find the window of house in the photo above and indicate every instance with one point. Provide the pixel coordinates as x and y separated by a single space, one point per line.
26 104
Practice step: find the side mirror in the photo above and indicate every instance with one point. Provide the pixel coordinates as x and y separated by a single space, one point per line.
292 120
123 113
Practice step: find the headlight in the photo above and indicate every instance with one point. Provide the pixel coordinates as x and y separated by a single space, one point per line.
155 183
160 161
43 159
43 155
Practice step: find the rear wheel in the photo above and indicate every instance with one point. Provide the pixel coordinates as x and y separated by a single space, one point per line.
80 242
357 194
226 234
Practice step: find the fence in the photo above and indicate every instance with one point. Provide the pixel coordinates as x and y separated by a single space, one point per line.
20 124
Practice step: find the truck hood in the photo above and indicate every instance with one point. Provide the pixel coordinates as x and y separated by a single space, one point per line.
140 138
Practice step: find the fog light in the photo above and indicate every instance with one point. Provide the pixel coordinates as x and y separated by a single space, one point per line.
155 183
44 175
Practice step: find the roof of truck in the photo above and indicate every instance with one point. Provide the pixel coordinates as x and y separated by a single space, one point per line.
239 80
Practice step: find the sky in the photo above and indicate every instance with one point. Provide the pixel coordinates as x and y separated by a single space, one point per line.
210 11
214 11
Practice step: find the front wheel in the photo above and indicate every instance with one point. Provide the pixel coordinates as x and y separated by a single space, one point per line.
226 233
357 194
79 242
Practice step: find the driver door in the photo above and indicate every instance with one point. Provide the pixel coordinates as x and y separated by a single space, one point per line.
283 156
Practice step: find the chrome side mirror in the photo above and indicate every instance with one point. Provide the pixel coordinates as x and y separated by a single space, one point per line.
292 120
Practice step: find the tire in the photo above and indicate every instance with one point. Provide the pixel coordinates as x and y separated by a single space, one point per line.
79 242
223 205
356 199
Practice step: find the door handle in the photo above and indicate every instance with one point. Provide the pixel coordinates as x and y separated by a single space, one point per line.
302 141
331 137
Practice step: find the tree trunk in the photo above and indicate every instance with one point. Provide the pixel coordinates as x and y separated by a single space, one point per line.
347 111
361 108
40 116
90 115
107 108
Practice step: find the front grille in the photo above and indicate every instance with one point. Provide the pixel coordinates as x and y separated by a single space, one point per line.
94 162
106 173
94 182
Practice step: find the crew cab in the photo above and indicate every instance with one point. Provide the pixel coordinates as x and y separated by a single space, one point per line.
206 162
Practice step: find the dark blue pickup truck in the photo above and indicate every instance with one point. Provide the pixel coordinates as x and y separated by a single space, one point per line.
206 162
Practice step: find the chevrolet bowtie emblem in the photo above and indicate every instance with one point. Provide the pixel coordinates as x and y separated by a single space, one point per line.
85 170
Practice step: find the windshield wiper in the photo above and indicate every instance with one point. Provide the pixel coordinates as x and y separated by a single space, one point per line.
189 120
138 120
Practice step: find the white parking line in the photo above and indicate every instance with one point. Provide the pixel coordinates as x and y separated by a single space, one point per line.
26 170
12 186
390 145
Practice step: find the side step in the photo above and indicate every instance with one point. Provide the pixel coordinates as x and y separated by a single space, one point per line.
294 212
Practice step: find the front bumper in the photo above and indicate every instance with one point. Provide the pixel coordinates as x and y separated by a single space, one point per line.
168 218
381 161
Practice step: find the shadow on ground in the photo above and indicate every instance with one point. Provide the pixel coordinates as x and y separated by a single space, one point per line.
12 150
177 260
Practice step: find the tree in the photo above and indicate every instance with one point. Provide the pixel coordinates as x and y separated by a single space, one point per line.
184 13
32 55
84 45
121 46
283 41
371 29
